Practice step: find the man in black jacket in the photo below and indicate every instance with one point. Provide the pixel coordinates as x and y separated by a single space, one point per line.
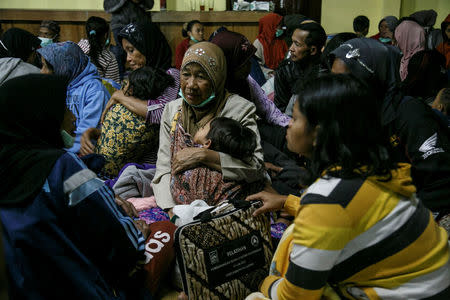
308 40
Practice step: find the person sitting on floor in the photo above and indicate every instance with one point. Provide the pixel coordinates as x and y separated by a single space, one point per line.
203 97
64 234
86 95
124 136
96 46
359 227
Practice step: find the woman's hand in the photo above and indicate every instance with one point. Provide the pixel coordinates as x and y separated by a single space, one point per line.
86 146
272 201
273 169
188 158
133 104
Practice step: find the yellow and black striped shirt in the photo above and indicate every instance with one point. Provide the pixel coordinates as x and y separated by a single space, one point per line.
367 238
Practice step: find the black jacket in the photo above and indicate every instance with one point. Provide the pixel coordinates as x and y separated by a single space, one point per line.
286 77
125 12
421 138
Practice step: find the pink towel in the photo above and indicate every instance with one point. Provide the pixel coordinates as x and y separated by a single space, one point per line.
143 203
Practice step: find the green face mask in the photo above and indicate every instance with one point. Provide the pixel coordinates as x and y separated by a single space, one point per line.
385 40
68 140
279 32
107 43
194 40
45 41
213 95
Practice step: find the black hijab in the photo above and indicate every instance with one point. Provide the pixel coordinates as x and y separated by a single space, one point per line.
149 40
16 42
377 65
30 122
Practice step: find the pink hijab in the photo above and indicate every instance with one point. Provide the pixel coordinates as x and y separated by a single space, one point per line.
410 38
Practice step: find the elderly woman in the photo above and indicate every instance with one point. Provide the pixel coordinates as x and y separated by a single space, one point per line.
203 97
145 45
86 95
386 28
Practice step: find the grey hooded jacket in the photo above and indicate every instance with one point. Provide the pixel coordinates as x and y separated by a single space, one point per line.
11 67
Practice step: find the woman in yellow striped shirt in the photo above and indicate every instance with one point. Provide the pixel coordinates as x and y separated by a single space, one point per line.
359 227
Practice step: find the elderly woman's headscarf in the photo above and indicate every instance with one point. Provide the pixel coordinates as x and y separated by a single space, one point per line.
274 49
150 41
211 58
67 59
237 50
377 65
391 22
30 134
410 38
19 43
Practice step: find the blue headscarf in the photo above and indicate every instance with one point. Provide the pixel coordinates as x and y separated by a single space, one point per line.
67 59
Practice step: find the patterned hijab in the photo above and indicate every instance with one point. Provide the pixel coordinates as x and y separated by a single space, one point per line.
274 49
237 50
67 59
150 41
410 37
211 58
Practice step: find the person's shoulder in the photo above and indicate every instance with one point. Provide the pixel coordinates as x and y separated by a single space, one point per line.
183 44
237 104
174 72
332 190
172 106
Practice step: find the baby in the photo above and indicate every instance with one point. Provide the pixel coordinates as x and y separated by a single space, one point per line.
220 134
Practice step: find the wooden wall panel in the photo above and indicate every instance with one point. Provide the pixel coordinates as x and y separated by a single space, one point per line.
170 23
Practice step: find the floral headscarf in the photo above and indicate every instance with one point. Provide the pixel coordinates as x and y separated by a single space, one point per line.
211 58
67 59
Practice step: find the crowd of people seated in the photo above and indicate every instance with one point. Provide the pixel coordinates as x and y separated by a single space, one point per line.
105 146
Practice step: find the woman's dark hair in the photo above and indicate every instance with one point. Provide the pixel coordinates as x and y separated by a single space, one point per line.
349 141
335 42
148 82
96 29
188 27
229 136
52 26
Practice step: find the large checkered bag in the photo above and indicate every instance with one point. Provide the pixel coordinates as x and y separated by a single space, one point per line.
225 253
